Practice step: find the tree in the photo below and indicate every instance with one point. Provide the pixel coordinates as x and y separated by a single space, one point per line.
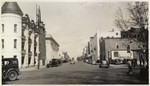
137 16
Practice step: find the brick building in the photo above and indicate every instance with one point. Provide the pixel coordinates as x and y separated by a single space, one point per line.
117 48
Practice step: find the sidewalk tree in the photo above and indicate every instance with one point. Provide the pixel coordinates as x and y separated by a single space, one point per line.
137 16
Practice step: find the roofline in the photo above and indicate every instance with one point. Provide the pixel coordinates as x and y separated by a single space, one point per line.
51 38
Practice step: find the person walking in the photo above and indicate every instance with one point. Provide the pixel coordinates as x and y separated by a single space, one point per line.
129 63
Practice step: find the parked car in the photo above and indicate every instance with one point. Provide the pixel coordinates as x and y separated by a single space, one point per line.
117 62
72 62
104 64
65 61
54 63
10 69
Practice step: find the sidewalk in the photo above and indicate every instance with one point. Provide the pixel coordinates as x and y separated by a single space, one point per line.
31 68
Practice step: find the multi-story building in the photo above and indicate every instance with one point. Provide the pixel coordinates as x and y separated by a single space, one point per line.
94 48
85 53
139 34
61 56
28 42
111 34
120 48
52 48
21 37
11 29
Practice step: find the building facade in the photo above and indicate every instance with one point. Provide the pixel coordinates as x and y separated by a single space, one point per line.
111 34
11 29
94 48
120 49
21 37
52 48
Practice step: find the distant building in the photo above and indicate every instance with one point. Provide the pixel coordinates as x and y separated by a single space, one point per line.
140 34
94 48
66 57
52 48
60 53
117 48
94 44
84 51
111 34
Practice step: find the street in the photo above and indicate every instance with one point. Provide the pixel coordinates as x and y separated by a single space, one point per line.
78 73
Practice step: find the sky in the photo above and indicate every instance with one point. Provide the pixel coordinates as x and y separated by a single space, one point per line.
73 23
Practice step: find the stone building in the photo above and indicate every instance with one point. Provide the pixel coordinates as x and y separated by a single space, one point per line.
11 31
21 37
52 48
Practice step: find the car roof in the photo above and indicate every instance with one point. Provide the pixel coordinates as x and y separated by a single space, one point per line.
8 58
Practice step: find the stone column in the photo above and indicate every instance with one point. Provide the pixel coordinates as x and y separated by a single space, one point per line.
32 49
26 48
37 50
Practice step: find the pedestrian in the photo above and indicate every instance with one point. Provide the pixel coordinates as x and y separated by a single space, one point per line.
129 63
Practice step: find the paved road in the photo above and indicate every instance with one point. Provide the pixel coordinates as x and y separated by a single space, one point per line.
79 73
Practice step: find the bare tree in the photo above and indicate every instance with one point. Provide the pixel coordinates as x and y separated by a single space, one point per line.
137 16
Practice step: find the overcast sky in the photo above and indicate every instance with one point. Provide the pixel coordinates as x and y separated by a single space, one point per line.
73 23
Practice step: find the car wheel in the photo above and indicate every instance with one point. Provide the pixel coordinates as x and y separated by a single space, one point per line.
12 75
47 66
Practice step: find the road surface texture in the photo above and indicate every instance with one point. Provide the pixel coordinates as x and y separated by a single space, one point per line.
78 73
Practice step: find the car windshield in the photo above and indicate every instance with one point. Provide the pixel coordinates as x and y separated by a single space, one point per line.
104 62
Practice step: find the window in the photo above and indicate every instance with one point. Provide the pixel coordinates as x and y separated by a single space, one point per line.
117 46
2 28
6 62
15 43
2 43
116 34
128 49
115 54
134 36
15 28
14 62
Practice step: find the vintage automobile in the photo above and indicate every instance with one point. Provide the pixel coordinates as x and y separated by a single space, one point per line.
104 64
72 62
54 63
10 69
